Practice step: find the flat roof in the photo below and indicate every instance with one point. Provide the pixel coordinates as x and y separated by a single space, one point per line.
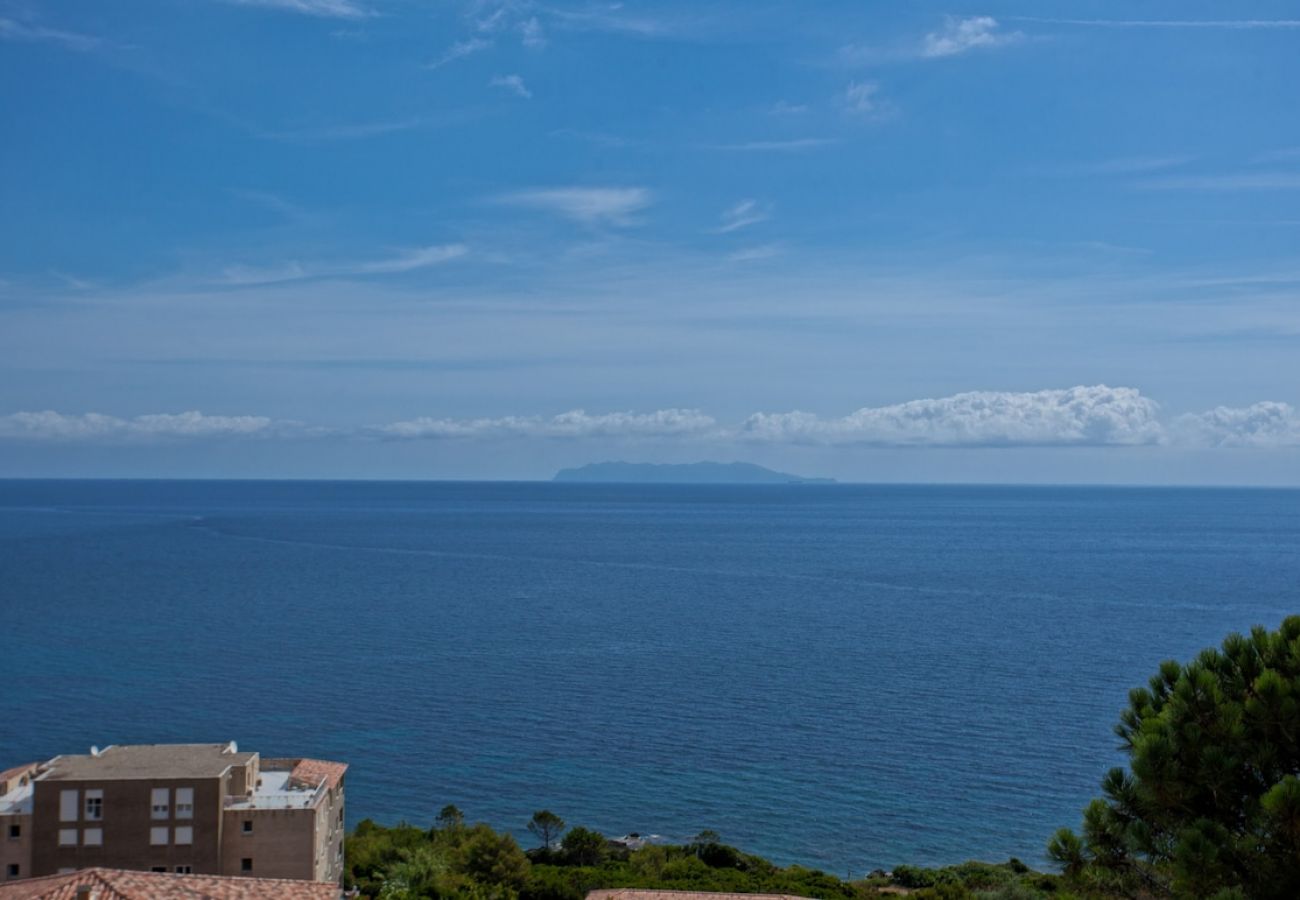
146 761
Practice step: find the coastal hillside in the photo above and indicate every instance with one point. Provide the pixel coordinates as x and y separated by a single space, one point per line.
685 473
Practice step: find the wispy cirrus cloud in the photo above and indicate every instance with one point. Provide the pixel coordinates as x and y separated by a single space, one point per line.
29 32
1223 24
332 9
862 98
405 261
459 50
1230 181
755 253
786 145
512 83
586 205
742 215
345 131
532 34
960 36
1122 165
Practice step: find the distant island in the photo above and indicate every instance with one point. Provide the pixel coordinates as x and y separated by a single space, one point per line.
686 473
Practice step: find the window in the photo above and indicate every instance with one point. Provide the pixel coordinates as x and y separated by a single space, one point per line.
158 836
67 806
248 826
161 803
94 805
12 871
92 837
67 837
15 832
246 864
184 870
185 803
158 869
184 834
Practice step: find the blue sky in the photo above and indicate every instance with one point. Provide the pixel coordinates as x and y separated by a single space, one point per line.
1003 241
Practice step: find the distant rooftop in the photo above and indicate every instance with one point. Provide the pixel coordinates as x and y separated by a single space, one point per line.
147 761
116 884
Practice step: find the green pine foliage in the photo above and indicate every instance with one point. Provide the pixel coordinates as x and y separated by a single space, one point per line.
1210 804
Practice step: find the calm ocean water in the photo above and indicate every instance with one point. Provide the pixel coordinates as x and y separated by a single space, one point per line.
842 676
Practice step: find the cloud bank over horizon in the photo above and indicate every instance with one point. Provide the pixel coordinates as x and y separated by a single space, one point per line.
1081 416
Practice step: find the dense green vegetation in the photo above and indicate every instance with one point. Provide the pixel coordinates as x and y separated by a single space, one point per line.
455 860
1210 805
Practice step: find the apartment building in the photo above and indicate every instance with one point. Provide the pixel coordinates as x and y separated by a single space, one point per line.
204 809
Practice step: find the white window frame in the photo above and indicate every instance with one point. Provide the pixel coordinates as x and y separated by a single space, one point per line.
159 836
183 835
92 837
69 805
185 803
67 837
97 815
160 803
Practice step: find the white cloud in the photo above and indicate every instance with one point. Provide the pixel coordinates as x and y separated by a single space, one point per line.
862 97
1088 416
962 35
512 83
1084 416
574 424
531 33
590 206
459 50
13 30
53 426
1265 424
406 261
334 9
742 215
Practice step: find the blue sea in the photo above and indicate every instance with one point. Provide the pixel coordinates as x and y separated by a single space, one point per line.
842 676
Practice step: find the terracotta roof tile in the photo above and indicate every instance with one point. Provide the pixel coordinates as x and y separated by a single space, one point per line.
311 772
119 884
